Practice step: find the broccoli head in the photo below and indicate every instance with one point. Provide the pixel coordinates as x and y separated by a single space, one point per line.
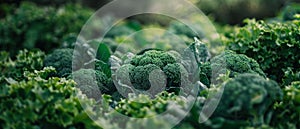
143 67
248 97
158 58
93 83
235 63
61 60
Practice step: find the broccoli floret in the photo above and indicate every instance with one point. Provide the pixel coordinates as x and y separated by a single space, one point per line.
143 67
175 72
159 58
61 60
140 75
93 83
248 97
205 73
236 64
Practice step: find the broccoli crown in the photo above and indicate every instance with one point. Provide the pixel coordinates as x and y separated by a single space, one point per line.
140 75
92 82
235 63
175 73
153 67
158 58
248 96
61 60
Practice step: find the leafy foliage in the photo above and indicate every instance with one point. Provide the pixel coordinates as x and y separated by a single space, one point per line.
289 12
287 111
290 76
41 2
179 28
142 106
234 11
272 45
41 27
26 61
102 71
38 102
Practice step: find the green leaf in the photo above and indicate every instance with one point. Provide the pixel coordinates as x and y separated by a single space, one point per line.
103 53
103 67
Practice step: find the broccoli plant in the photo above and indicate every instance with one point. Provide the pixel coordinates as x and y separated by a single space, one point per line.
201 57
151 62
236 64
61 60
93 83
246 101
248 97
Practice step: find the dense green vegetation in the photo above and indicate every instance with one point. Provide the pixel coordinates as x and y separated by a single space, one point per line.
50 80
45 28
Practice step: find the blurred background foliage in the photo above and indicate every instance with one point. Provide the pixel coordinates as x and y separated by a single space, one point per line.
223 11
49 24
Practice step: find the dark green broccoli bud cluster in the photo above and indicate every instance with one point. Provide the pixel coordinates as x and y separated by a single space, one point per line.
93 83
153 67
61 60
235 63
248 96
158 58
140 75
205 73
175 73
